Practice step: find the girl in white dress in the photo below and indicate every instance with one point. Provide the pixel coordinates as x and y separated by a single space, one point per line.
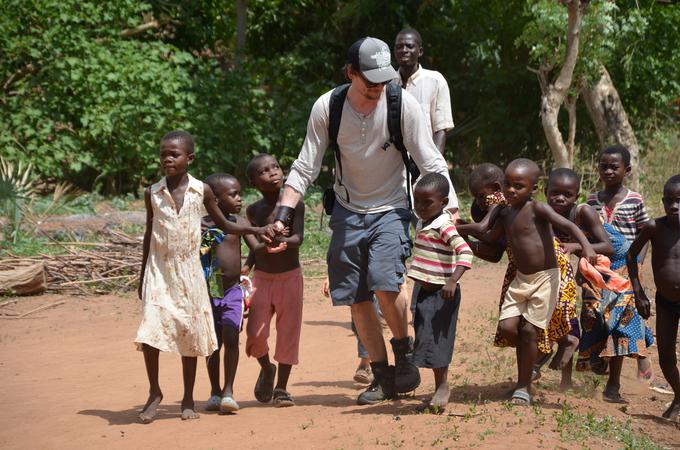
177 315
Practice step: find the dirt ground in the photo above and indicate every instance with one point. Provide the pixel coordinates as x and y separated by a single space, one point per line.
71 378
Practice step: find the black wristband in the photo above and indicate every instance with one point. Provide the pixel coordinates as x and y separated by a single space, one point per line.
284 215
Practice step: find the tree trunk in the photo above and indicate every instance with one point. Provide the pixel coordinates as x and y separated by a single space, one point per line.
611 121
570 105
241 25
555 93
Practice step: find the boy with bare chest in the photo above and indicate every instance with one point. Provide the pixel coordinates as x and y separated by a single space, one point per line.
532 295
277 280
664 233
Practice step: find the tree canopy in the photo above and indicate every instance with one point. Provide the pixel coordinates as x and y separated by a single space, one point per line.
88 87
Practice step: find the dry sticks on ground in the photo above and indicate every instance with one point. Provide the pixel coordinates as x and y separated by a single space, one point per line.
88 268
92 267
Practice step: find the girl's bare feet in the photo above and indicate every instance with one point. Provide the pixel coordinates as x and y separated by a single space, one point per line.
150 408
188 411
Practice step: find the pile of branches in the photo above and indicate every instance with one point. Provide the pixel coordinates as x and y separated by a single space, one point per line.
88 268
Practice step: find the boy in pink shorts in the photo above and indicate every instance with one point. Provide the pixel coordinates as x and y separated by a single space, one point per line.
277 281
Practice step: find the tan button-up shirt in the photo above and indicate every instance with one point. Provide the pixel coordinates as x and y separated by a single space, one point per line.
429 87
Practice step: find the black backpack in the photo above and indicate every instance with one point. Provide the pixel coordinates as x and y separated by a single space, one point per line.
393 92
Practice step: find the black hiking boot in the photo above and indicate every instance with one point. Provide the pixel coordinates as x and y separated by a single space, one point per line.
382 387
406 375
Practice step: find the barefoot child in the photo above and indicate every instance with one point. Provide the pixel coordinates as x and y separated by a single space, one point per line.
534 291
611 325
277 280
440 258
177 316
221 260
664 233
561 194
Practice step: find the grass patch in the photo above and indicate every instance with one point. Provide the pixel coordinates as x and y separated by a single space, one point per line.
28 246
582 428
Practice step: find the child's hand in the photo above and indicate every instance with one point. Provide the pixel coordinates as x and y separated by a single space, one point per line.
642 304
285 231
326 288
449 290
589 254
267 233
277 247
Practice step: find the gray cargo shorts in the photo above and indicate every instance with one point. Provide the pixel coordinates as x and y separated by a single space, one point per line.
367 253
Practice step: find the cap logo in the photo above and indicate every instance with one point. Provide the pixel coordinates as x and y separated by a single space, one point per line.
382 58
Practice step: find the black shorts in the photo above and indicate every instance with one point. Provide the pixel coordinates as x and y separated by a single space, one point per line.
435 324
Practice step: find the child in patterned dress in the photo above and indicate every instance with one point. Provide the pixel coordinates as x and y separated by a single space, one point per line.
562 194
534 292
611 325
485 186
177 316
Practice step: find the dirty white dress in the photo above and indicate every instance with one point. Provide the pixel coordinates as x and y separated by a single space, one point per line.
177 314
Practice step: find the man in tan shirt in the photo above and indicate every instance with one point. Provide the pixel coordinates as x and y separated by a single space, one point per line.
429 87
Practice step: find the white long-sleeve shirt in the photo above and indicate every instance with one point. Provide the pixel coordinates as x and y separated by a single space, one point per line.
375 179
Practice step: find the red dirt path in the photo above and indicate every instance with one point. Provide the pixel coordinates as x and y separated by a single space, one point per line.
70 378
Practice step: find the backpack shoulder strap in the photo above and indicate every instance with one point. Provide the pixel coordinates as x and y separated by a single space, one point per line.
337 102
393 92
394 117
335 112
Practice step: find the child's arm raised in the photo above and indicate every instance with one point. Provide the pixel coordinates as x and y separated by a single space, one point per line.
545 212
147 239
483 226
491 252
229 227
641 301
590 223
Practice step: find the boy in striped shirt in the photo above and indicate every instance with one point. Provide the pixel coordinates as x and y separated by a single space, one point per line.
441 256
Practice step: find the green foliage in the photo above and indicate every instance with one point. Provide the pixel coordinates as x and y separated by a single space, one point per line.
94 105
545 35
647 61
85 104
16 191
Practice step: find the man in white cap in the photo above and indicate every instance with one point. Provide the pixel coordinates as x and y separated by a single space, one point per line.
370 219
